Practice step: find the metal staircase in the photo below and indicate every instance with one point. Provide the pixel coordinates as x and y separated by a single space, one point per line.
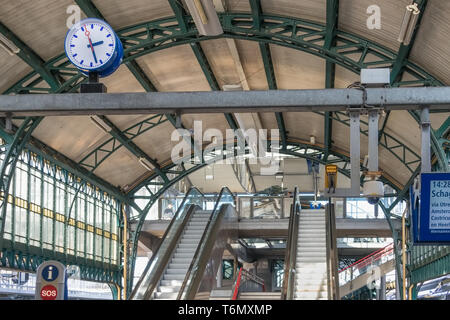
311 276
177 268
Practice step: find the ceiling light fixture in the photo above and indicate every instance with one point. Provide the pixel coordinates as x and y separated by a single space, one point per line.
409 24
8 45
99 122
146 164
205 17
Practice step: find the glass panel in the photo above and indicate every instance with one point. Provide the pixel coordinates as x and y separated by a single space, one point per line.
264 208
244 207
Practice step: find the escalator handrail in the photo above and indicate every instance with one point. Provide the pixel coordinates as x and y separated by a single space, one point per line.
291 252
172 244
197 256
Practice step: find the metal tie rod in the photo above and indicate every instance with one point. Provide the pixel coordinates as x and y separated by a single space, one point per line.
436 98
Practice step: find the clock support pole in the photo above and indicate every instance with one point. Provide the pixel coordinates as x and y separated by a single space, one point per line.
93 85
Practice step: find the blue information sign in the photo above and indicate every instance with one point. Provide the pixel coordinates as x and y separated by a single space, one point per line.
431 218
50 273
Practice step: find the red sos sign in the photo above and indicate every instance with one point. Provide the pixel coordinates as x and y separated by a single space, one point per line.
49 292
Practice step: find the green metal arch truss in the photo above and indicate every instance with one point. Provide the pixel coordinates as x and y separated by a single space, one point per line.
348 50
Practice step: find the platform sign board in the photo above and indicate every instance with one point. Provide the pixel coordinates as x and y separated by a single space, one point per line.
431 218
50 281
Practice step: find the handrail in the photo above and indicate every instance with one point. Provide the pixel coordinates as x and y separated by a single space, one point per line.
253 277
160 263
237 285
291 248
383 251
203 241
244 274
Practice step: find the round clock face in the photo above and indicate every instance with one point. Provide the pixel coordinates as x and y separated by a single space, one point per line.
90 44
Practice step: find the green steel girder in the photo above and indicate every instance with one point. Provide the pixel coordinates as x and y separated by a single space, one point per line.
8 165
204 64
264 49
97 156
295 33
171 35
257 13
131 42
31 58
444 130
89 9
434 269
140 76
180 14
117 134
330 67
14 257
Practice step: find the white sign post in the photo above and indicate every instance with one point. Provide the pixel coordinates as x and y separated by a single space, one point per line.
50 281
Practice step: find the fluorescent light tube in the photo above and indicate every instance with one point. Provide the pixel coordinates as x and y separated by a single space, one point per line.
8 45
201 11
408 24
146 164
101 124
205 17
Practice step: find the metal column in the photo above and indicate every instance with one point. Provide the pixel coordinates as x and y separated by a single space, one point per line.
373 141
355 151
425 125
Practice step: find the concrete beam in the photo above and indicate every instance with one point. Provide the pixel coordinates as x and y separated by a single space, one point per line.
261 228
437 98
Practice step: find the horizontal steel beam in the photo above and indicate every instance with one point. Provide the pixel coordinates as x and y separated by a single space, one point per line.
220 102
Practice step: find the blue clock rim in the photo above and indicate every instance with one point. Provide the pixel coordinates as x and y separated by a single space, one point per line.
108 62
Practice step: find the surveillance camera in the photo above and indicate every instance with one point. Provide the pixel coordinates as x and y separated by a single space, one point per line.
373 200
373 191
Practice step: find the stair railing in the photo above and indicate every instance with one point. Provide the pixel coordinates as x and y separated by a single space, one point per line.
245 275
287 291
361 266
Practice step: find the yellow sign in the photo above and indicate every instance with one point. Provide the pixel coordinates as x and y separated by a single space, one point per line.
331 176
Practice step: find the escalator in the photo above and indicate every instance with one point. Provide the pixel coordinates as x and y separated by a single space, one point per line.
311 255
186 263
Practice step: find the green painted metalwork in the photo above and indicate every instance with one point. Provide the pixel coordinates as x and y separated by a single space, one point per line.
117 134
429 262
31 58
295 33
140 76
39 221
89 9
330 67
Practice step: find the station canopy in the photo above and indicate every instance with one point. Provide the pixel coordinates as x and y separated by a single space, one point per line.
267 44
